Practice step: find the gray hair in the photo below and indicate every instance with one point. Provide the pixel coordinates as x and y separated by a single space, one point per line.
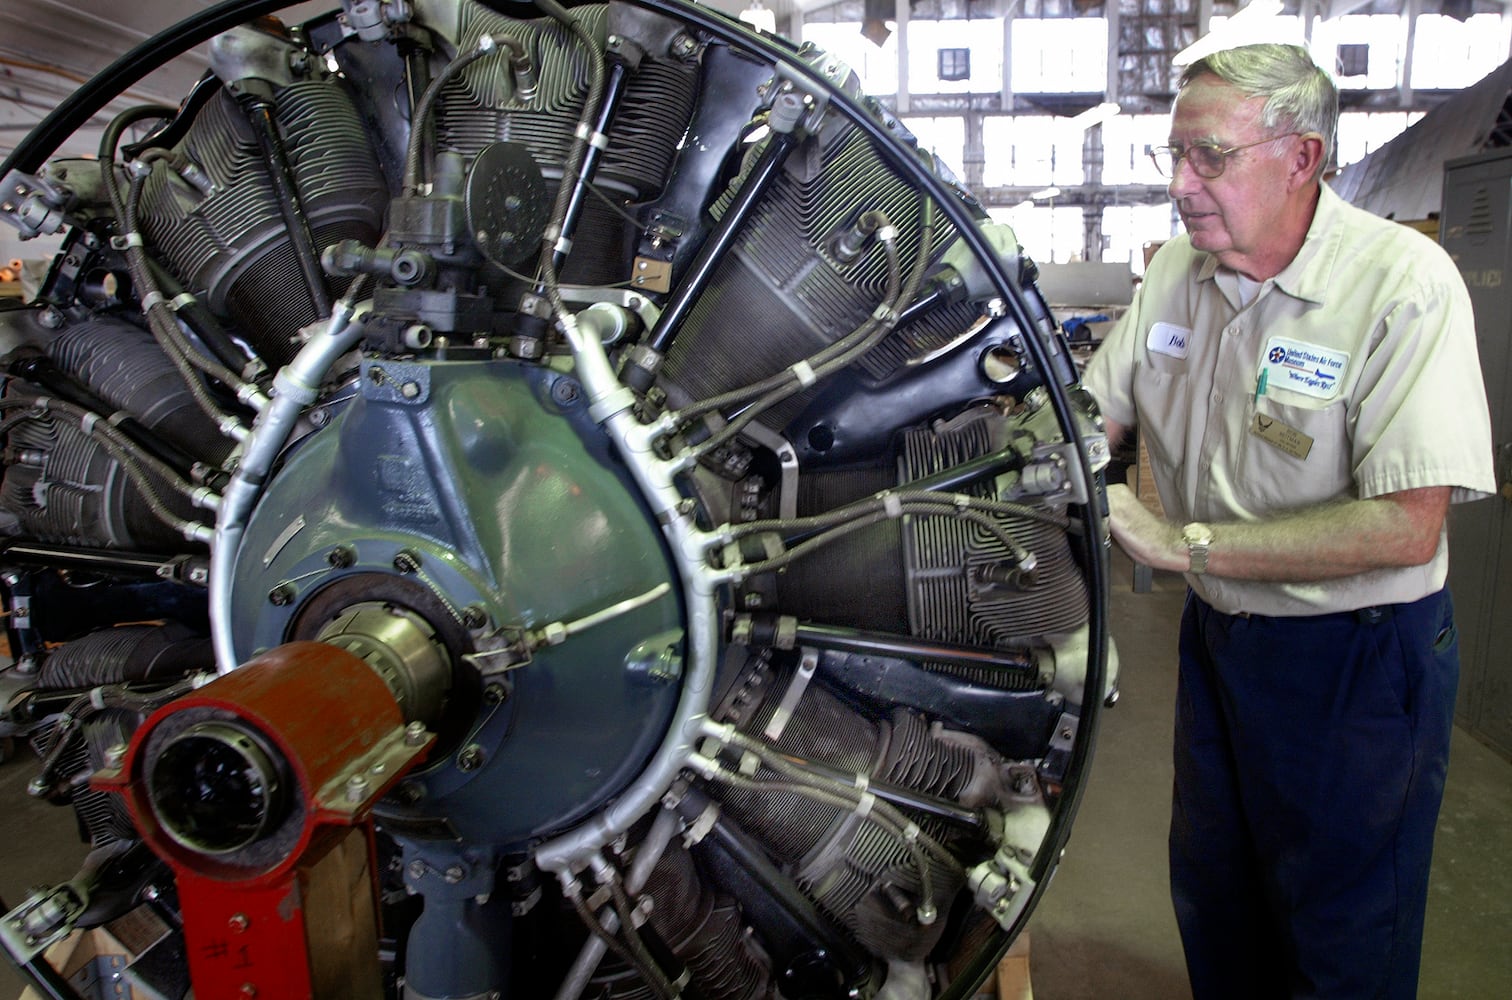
1300 96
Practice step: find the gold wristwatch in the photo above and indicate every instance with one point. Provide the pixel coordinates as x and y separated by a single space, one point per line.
1198 537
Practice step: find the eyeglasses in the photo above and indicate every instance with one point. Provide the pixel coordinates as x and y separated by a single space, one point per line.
1206 158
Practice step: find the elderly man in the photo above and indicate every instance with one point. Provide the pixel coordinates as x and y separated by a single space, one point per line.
1305 377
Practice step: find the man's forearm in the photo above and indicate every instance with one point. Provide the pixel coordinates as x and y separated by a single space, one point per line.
1319 543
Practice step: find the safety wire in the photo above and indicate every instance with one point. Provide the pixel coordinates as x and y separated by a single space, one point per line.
136 462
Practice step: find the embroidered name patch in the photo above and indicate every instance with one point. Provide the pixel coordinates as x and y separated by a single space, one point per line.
1169 339
1306 368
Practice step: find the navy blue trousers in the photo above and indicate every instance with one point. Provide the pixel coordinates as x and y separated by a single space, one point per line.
1310 761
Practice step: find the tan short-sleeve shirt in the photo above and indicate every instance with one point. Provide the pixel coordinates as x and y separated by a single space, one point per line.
1351 374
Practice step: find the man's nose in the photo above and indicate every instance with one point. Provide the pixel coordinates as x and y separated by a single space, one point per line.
1184 179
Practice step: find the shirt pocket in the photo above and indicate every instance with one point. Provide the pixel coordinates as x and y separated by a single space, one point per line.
1272 478
1160 400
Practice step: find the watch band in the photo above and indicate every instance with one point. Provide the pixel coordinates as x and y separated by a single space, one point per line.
1198 537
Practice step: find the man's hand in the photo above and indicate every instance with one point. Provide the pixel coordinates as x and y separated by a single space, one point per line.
1326 542
1146 538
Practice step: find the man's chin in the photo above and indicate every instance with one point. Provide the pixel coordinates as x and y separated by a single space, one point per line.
1206 239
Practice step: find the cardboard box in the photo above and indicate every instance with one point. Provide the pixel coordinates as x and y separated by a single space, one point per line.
94 962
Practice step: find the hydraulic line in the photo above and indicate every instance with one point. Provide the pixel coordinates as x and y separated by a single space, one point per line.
111 138
134 463
815 362
414 159
42 371
872 332
93 701
647 854
296 385
145 273
736 850
873 510
907 495
854 797
203 322
164 326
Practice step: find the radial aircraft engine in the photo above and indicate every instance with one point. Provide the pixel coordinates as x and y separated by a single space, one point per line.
508 500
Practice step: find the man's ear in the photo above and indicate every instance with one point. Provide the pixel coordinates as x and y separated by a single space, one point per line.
1307 161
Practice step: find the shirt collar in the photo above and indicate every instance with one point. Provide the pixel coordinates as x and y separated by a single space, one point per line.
1307 277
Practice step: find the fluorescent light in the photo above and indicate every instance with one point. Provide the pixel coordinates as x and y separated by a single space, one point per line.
1258 22
1094 116
1045 194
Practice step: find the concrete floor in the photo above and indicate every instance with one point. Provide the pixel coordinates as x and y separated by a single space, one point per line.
1105 930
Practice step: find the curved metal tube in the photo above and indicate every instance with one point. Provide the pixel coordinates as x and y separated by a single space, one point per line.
610 403
296 385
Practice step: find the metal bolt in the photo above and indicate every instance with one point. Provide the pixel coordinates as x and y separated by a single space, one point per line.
495 693
470 758
565 391
238 923
407 561
342 556
414 734
282 595
416 869
356 788
248 990
410 390
51 318
474 618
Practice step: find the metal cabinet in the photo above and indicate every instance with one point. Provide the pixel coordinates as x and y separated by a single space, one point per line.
1476 228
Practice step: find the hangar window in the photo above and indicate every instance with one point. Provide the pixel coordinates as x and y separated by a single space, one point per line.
954 64
1048 233
1060 55
1451 54
944 136
1030 150
1125 141
1354 59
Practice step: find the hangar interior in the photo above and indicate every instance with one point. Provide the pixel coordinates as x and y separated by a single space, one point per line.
1041 111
